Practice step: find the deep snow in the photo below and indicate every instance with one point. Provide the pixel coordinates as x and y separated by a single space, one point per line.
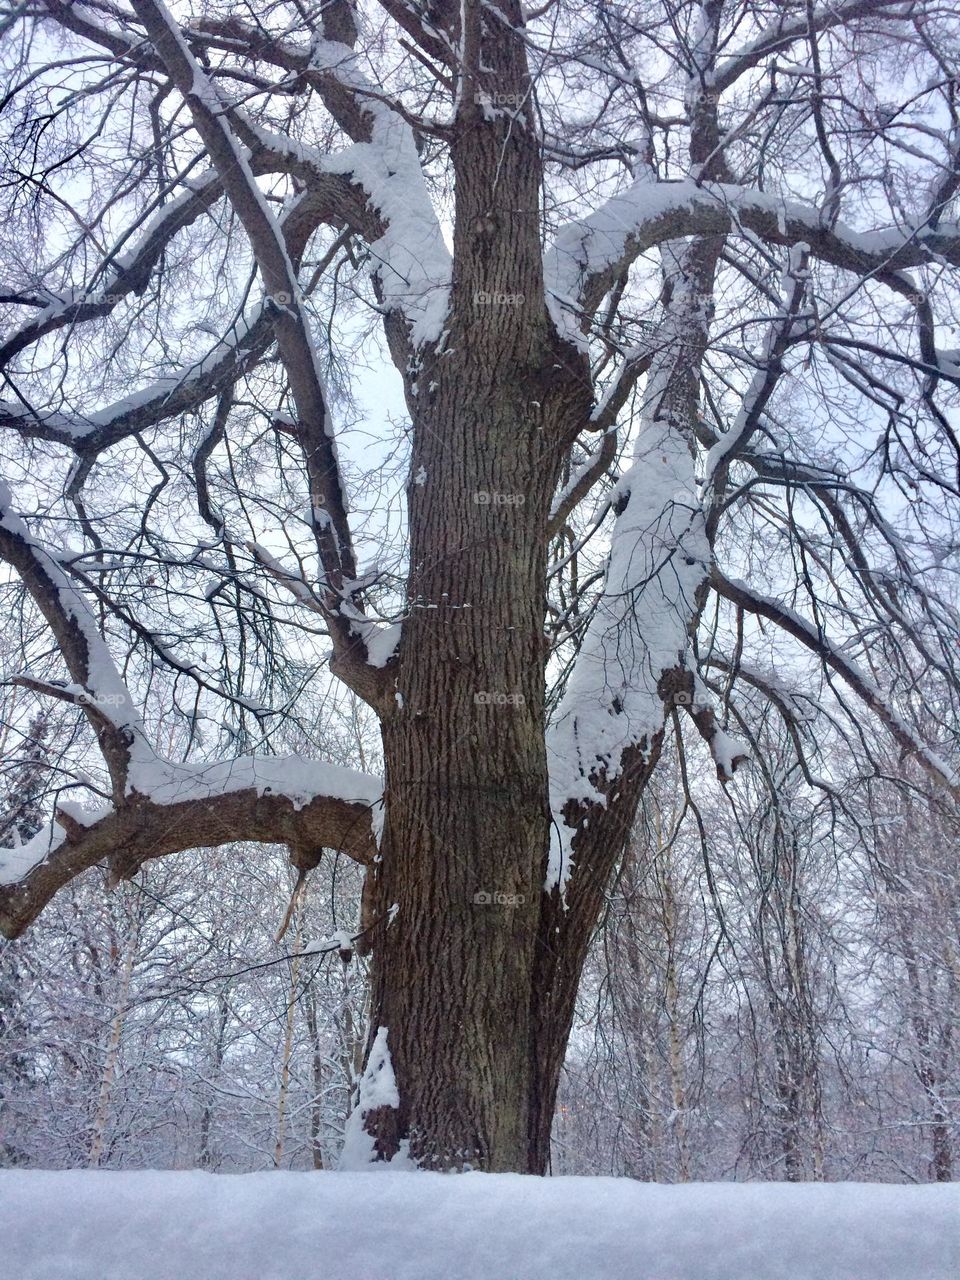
423 1226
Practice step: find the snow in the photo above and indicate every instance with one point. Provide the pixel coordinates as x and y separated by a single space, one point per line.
380 638
645 213
726 751
411 260
377 1088
17 860
658 558
298 778
77 427
378 816
84 1225
117 267
577 475
339 941
70 427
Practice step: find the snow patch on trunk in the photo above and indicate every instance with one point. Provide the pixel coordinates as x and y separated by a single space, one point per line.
378 1088
658 559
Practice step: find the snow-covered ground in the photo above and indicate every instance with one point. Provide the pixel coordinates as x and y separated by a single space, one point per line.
422 1226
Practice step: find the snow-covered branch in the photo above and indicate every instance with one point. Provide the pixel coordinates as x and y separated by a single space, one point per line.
97 686
306 804
582 480
787 29
125 273
659 556
589 254
411 263
176 393
327 198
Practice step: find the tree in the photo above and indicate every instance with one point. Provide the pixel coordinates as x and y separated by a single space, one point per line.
665 289
638 998
917 925
21 816
784 980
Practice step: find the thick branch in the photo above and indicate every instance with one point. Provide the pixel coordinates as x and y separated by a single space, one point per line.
787 30
589 255
267 809
130 275
280 283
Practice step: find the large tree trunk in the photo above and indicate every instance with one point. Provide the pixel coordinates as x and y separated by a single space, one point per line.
476 971
466 832
458 951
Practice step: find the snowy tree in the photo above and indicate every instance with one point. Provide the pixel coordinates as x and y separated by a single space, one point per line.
914 939
21 816
666 292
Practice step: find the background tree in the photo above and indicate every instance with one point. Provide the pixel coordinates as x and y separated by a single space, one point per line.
21 816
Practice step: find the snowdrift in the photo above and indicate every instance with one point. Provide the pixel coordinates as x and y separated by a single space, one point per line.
423 1226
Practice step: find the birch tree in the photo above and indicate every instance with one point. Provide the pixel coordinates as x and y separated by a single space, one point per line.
667 292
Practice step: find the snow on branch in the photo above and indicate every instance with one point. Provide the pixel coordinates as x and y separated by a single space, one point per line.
176 393
658 559
96 684
125 273
210 116
582 480
636 658
411 263
787 29
327 198
213 120
307 804
590 253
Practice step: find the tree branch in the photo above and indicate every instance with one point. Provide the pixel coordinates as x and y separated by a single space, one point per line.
862 684
268 799
590 254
